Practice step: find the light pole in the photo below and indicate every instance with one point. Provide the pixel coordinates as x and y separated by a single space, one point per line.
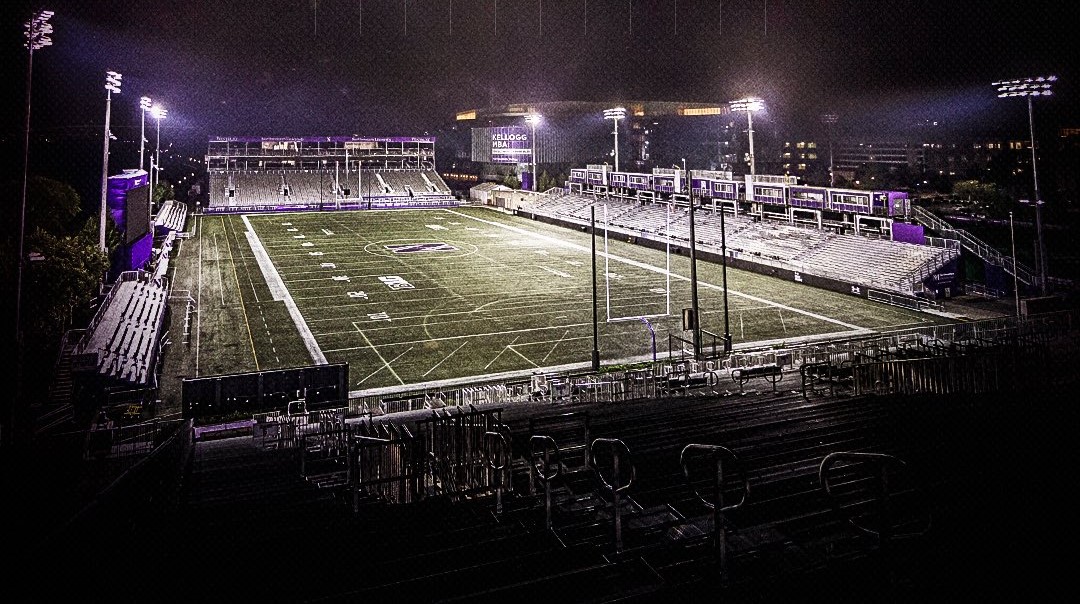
1031 87
615 115
112 84
1016 289
37 33
159 113
695 324
829 119
749 105
532 119
595 328
144 105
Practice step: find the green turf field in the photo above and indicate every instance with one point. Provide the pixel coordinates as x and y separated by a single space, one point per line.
407 297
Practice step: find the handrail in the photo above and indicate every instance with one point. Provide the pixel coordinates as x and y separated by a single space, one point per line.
884 466
549 445
719 454
615 445
981 249
496 454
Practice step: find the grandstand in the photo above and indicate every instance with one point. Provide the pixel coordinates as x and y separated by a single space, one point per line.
323 173
848 259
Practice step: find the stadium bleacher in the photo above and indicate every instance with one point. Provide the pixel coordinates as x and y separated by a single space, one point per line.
889 265
253 190
171 217
120 344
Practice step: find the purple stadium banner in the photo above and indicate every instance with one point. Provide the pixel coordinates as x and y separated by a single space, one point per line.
510 145
908 233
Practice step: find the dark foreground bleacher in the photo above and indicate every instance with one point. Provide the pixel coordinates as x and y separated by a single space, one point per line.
982 488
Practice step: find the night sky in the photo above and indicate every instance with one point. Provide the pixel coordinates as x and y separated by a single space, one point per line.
397 67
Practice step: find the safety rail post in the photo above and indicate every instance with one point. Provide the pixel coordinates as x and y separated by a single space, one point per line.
615 486
718 454
548 446
882 467
496 456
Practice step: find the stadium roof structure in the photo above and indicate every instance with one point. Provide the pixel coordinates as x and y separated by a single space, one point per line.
575 108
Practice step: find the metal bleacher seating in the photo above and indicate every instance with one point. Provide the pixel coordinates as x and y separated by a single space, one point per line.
889 265
122 338
171 217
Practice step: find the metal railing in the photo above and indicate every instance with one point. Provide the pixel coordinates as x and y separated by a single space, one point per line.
718 456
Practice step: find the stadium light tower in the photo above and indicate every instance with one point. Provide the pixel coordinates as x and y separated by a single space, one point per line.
749 105
829 119
615 115
144 104
112 84
1032 87
37 33
159 113
533 119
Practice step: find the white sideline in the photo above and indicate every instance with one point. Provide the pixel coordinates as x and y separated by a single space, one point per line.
281 293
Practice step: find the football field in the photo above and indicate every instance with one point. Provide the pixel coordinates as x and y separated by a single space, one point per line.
411 297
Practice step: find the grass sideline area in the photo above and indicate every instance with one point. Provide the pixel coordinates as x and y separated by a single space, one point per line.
414 297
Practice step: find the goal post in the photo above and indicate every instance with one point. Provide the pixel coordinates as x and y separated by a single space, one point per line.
616 316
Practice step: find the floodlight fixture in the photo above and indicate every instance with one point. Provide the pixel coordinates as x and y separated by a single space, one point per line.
747 104
1038 86
37 31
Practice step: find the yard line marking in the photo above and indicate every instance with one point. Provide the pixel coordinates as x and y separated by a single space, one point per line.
515 351
445 359
466 336
378 354
562 243
557 273
500 353
557 342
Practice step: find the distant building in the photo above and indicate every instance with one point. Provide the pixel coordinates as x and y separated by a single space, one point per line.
576 133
